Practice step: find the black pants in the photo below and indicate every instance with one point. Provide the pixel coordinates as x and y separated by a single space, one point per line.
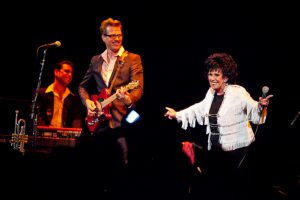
104 158
221 175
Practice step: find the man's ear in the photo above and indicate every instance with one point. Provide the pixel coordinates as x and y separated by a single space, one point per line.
56 71
102 37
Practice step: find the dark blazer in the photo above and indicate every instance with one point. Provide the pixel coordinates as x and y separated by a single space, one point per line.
130 70
72 109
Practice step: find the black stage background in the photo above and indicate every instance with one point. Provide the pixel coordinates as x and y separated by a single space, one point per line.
173 40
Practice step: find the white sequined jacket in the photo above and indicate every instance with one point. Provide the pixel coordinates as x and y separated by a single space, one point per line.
236 112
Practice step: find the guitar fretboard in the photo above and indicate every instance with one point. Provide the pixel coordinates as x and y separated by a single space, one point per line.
108 100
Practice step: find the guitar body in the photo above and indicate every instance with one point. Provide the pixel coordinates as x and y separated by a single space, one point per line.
94 121
105 100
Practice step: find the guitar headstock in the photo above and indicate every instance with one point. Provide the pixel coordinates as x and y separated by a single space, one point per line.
132 85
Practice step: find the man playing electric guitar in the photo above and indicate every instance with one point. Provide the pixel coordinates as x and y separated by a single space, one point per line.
111 70
103 103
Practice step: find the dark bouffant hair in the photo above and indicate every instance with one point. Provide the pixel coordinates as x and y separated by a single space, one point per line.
224 62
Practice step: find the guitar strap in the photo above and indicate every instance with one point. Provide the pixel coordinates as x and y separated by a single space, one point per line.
119 64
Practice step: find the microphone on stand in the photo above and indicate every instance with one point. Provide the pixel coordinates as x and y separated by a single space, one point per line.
34 99
46 46
55 44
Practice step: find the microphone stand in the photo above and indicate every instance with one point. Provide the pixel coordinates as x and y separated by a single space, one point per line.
295 118
34 113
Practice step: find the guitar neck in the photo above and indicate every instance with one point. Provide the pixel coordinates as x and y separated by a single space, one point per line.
108 100
111 98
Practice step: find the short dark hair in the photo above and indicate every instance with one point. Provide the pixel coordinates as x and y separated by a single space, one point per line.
224 62
61 63
109 22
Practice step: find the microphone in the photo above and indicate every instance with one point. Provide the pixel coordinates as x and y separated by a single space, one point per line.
265 90
56 44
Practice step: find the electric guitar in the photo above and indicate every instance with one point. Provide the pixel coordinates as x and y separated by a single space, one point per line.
105 100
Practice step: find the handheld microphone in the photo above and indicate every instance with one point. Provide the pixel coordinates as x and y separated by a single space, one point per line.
56 44
265 90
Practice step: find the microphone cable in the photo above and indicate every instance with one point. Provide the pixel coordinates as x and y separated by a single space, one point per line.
255 132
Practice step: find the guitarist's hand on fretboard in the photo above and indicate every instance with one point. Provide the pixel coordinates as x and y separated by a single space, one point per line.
123 95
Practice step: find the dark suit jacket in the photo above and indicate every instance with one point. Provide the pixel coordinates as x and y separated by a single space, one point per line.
130 70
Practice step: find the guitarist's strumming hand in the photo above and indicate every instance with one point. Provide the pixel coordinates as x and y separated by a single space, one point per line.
123 95
93 107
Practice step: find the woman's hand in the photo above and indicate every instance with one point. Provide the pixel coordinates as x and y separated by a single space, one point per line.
171 113
264 102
